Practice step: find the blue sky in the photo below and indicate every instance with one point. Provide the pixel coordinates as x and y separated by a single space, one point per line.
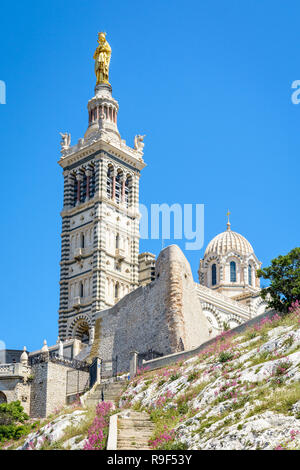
209 83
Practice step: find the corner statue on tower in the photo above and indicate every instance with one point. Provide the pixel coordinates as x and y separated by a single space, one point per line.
102 59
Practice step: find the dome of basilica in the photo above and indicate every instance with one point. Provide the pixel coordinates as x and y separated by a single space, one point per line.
229 241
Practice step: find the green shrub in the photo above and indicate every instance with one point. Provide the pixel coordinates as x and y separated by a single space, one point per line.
174 377
183 408
13 411
193 376
12 417
176 446
225 356
161 382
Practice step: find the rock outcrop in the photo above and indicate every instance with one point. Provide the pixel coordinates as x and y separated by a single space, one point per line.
164 316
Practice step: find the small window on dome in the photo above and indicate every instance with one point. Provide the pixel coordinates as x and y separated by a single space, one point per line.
214 275
232 271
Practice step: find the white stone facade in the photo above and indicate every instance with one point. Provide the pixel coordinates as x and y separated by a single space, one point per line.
100 219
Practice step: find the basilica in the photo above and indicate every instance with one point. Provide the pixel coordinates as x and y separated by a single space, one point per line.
100 259
118 305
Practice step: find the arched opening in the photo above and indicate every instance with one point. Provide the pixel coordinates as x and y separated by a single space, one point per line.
3 398
81 240
116 290
118 187
250 275
109 182
232 271
92 182
127 191
82 332
83 188
214 275
81 289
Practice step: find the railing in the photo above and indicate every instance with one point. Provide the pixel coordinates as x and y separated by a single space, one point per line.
78 301
76 382
15 369
148 356
55 358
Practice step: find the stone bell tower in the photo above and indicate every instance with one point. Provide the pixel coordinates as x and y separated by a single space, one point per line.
100 215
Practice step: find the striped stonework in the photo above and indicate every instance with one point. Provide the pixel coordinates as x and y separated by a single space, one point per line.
100 224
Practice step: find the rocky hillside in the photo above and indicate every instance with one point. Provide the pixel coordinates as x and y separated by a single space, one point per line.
241 393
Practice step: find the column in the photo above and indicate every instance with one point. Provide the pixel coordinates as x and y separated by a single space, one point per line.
133 363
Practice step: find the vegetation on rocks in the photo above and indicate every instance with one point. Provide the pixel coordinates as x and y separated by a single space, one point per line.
71 427
97 433
242 392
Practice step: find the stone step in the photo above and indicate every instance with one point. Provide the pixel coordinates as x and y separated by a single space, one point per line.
134 430
111 392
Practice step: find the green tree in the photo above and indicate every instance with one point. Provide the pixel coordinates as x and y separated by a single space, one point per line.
284 277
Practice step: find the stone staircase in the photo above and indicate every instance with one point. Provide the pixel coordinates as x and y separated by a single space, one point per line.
111 391
134 430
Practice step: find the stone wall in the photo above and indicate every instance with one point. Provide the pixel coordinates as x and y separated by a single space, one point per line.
173 358
14 389
49 387
165 315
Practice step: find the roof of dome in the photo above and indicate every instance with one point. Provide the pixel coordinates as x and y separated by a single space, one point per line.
229 241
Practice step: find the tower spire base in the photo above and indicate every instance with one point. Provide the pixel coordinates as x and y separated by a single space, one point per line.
103 88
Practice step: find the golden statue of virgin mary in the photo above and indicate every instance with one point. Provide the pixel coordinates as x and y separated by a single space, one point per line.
102 59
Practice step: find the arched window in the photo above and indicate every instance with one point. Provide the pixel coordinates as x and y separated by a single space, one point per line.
127 191
81 240
118 187
213 275
92 182
232 271
117 290
83 188
109 183
117 240
81 289
250 274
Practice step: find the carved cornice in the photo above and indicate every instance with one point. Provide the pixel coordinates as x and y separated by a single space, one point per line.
119 150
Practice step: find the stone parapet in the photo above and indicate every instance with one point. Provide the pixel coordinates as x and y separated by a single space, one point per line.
14 370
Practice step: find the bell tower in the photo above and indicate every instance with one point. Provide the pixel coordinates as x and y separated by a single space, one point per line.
100 215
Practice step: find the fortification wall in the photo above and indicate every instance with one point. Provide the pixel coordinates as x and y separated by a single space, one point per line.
164 316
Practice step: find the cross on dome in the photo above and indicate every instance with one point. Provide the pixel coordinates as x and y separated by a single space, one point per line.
228 223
